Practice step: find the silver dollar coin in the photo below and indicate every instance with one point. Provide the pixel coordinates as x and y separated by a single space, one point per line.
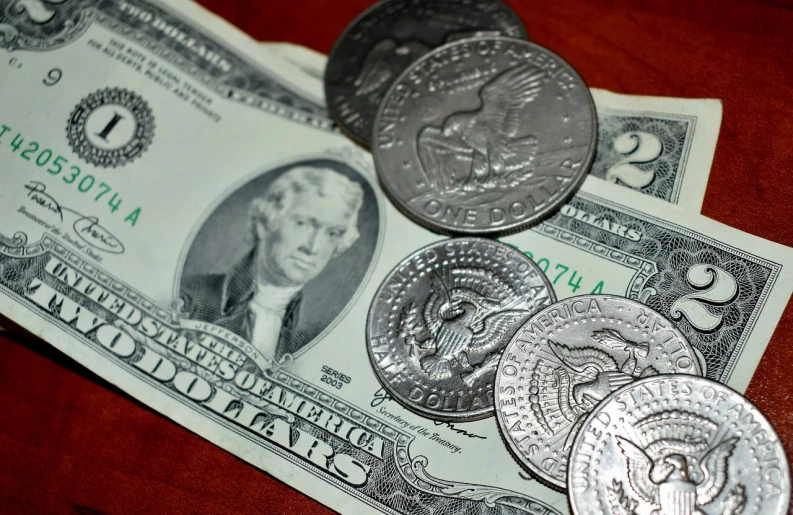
484 136
678 445
569 357
440 320
386 38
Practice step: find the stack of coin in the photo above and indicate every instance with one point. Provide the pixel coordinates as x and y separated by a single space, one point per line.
484 134
565 360
476 132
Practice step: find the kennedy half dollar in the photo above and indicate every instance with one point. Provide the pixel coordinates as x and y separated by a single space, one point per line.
484 136
678 445
569 357
440 319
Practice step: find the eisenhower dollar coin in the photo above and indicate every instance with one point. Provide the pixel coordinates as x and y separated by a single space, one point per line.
441 318
484 136
566 359
386 38
678 445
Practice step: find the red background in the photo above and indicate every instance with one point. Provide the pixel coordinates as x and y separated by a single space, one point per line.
72 443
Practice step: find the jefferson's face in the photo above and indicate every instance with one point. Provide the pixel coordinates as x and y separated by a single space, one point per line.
303 240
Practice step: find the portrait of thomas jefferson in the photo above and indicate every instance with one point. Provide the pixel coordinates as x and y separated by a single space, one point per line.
302 237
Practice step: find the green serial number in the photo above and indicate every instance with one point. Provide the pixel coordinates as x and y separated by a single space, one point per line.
57 165
559 270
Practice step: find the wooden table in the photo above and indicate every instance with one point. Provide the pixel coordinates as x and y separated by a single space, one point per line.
72 443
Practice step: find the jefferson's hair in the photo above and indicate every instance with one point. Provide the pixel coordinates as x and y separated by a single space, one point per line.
324 182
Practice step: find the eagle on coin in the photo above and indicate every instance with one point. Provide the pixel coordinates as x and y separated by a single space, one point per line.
487 137
589 374
666 474
458 323
599 369
392 54
384 62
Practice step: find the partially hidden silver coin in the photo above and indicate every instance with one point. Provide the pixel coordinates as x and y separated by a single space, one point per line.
484 136
678 445
441 318
565 360
379 44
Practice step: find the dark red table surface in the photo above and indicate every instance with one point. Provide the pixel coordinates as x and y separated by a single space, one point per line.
72 443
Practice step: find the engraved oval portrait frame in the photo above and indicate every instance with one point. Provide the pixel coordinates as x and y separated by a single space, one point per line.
235 202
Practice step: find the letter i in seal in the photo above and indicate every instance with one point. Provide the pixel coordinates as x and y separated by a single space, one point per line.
111 127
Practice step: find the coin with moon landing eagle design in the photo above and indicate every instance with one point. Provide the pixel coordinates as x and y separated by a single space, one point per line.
677 445
566 359
386 38
440 319
484 136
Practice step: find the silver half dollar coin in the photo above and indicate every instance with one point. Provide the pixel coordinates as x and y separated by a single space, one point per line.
565 360
440 320
678 445
484 136
379 44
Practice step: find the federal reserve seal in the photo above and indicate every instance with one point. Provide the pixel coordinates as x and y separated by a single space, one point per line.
565 360
677 445
440 320
110 127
